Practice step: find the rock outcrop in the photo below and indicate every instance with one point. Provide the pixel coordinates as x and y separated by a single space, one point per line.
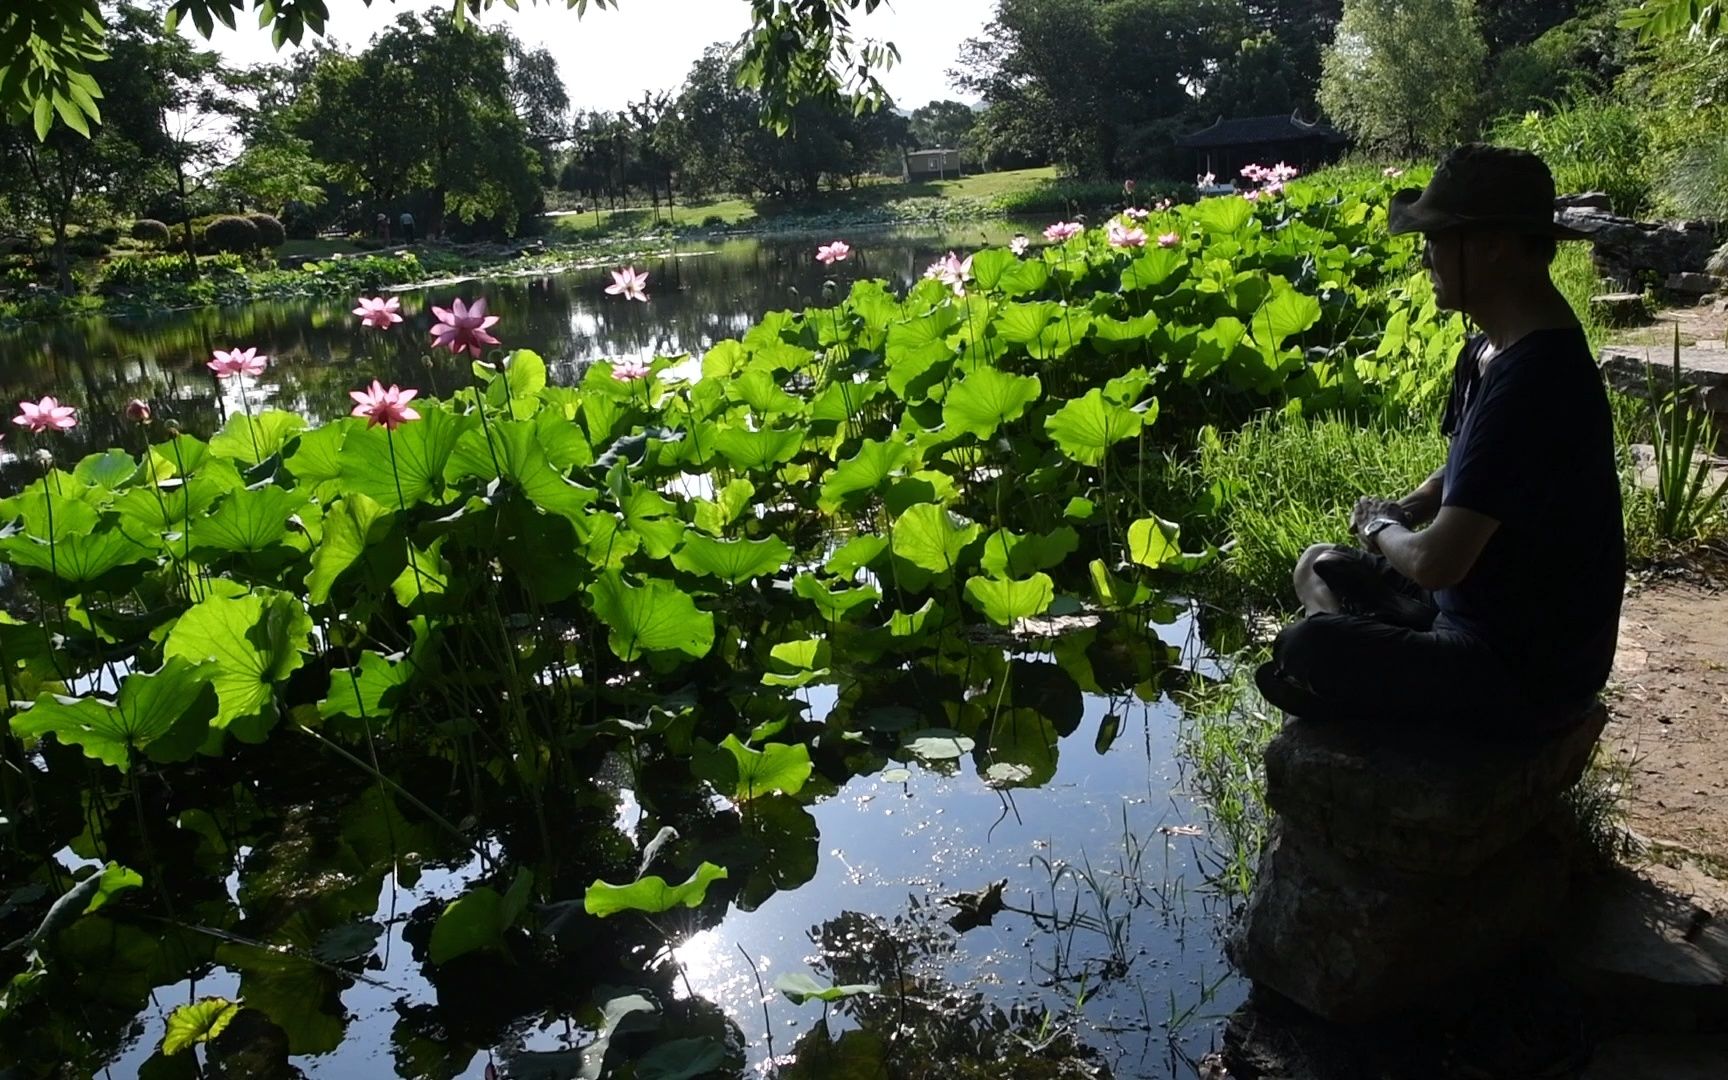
1628 251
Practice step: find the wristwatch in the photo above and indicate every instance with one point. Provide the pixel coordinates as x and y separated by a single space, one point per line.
1377 526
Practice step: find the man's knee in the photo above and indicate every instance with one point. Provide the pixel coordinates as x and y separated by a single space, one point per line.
1305 575
1311 646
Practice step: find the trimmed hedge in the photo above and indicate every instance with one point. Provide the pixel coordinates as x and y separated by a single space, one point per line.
233 234
150 231
270 231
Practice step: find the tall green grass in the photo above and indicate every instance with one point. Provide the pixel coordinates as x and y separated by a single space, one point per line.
1288 481
1223 736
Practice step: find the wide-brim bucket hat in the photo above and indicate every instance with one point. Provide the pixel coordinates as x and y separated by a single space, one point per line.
1482 186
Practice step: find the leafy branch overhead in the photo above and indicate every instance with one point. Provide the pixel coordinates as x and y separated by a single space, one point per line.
793 52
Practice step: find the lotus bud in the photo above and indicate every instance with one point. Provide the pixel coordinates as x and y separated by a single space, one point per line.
44 458
829 289
172 427
138 411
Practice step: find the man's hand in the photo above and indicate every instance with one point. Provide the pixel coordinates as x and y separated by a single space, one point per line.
1367 509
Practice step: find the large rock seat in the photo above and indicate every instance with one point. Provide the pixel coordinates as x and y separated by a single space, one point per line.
1418 800
1402 863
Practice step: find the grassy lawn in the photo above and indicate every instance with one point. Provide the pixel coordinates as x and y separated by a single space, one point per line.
749 213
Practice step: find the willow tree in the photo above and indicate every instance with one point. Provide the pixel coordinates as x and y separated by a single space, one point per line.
1403 75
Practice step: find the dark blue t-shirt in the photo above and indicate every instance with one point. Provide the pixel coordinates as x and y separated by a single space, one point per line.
1533 448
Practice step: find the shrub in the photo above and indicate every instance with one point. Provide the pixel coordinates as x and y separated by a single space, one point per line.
714 221
270 231
232 234
150 231
1591 145
133 271
108 234
87 245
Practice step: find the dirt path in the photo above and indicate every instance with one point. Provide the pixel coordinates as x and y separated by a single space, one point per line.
1669 702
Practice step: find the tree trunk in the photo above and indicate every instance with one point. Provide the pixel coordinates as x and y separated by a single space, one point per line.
62 263
186 219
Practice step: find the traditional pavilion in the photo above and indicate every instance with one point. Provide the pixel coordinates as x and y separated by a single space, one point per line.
1227 145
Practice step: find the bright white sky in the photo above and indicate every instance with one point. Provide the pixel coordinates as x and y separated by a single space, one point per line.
609 58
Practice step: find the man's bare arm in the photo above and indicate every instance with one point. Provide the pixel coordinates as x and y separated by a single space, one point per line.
1441 555
1421 505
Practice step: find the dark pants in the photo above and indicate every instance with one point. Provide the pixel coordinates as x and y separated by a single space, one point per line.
408 234
1391 657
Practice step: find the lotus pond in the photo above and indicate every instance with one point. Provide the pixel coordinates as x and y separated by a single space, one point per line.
782 676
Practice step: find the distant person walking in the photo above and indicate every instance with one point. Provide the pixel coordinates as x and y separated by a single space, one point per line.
407 220
382 226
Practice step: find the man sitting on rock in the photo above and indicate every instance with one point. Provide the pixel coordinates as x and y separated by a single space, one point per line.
1489 596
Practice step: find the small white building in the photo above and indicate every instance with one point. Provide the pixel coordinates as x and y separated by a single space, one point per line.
936 164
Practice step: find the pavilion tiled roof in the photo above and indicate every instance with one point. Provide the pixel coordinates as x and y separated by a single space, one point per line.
1249 130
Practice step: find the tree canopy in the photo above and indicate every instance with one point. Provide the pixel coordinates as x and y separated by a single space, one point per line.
796 50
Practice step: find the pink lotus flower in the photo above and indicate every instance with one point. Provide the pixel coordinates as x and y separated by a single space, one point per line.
386 408
1019 245
1063 230
1282 173
1138 213
462 327
1392 172
630 284
46 415
378 312
1205 180
1254 173
138 411
1252 196
238 362
1163 205
1120 236
952 271
629 370
829 254
1128 186
1168 239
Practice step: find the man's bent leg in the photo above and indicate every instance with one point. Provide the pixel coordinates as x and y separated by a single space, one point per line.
1349 667
1312 591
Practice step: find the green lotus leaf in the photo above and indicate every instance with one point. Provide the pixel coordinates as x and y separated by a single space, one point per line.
1023 324
713 517
1113 593
107 470
198 1022
806 659
1024 278
427 574
651 895
732 561
1153 268
416 472
656 616
1213 347
758 451
939 744
1008 554
1284 315
854 555
1087 426
800 988
988 398
350 527
479 919
1153 542
251 440
253 641
1006 602
368 690
864 472
248 520
317 461
1223 215
164 714
929 537
171 505
904 624
80 558
524 378
742 773
834 606
757 389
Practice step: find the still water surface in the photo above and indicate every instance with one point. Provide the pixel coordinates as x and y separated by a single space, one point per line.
1109 926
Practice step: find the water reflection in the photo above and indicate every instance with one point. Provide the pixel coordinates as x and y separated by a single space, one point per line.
701 294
